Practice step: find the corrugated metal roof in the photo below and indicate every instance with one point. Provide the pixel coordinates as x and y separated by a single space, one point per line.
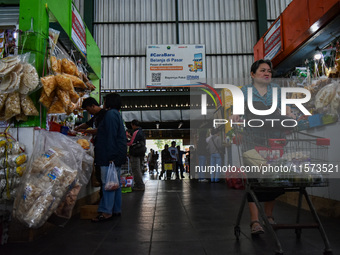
9 16
123 73
220 38
216 10
229 69
226 27
276 7
152 10
131 39
134 10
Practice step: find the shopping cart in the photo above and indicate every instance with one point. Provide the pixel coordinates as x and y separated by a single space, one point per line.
293 156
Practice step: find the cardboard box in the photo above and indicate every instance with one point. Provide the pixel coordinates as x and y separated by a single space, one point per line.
88 212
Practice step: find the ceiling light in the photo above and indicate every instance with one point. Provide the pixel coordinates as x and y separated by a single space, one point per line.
180 124
157 125
318 54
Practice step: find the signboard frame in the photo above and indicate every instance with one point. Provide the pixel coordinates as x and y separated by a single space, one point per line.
78 30
175 65
273 40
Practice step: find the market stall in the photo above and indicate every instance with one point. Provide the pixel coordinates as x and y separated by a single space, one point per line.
47 67
305 50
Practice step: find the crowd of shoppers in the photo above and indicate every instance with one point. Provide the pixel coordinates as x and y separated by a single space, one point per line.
111 143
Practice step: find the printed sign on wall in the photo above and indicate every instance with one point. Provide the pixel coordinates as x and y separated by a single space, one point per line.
175 65
78 30
272 41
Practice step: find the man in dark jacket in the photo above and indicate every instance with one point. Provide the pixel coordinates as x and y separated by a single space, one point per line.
110 146
91 127
92 107
166 158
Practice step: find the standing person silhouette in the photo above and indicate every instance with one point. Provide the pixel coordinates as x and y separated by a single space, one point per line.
174 158
92 107
137 153
261 74
110 147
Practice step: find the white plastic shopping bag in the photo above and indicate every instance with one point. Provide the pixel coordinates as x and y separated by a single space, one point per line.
112 182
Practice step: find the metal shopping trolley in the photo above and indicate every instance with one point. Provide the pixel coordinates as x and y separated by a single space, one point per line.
280 161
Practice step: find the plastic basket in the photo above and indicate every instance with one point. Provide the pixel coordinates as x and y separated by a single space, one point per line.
55 127
64 130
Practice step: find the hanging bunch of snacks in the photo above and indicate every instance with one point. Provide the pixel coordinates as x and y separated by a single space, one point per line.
18 79
62 90
65 86
12 166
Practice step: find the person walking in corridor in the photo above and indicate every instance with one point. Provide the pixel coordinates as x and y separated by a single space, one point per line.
165 158
137 153
174 158
180 165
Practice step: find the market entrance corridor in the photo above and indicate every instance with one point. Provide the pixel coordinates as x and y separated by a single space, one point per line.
178 217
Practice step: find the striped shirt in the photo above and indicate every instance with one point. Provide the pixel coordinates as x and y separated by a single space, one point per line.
266 99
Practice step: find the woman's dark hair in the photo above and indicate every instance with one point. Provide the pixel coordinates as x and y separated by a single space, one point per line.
257 63
136 123
89 102
214 131
113 101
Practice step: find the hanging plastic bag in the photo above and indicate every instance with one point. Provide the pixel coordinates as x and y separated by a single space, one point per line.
53 171
112 182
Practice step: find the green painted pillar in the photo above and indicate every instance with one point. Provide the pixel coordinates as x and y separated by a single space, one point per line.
34 13
261 13
34 22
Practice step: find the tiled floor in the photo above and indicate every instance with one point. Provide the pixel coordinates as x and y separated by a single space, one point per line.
177 217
